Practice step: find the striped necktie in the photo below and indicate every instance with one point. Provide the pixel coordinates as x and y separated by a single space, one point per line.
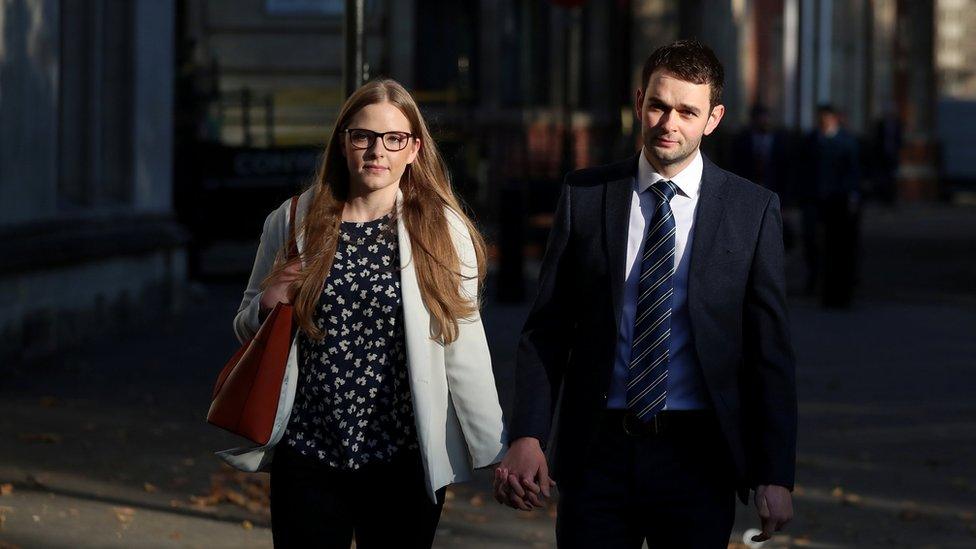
647 382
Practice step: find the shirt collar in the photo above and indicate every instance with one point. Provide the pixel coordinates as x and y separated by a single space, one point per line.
687 180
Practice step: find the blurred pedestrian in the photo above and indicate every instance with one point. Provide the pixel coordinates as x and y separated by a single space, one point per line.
661 325
831 199
761 154
887 150
389 393
760 151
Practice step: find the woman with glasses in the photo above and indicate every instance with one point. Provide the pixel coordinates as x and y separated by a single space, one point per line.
389 394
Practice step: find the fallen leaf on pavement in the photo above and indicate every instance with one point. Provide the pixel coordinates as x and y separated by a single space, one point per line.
249 491
46 438
255 491
206 501
149 487
852 499
236 498
247 525
124 514
475 518
477 500
175 535
6 489
908 515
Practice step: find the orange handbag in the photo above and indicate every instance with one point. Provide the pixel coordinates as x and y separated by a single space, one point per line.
245 397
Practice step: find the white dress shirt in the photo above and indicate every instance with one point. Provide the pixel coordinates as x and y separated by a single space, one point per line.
686 386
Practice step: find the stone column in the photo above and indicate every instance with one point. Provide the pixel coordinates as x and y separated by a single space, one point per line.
914 90
29 81
153 106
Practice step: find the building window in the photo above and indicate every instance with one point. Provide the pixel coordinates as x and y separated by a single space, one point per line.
447 48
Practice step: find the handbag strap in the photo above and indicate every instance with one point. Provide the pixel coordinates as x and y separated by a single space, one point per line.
292 242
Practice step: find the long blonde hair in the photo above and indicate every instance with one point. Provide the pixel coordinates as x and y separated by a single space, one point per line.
427 193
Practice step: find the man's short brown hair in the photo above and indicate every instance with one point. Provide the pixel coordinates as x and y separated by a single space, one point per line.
691 61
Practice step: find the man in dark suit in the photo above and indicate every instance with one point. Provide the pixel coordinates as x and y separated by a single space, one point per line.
831 199
661 321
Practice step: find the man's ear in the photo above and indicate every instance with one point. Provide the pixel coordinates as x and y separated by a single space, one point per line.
714 117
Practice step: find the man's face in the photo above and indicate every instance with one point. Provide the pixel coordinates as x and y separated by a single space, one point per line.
674 115
762 122
828 122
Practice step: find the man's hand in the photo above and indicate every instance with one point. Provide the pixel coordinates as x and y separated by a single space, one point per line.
775 506
523 475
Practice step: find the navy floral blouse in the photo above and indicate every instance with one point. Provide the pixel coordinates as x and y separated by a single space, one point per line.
352 404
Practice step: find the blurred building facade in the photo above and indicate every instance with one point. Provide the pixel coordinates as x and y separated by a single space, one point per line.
118 116
524 90
955 56
498 80
866 58
87 234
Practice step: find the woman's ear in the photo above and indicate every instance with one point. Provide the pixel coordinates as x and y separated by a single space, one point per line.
414 150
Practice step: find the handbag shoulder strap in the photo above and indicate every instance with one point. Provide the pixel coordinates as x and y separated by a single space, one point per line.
292 242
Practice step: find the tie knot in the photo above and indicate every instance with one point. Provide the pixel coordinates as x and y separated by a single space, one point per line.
665 189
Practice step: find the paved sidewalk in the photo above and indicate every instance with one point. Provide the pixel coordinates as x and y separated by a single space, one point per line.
106 445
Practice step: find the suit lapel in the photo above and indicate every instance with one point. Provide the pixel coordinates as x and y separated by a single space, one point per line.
416 319
617 198
708 220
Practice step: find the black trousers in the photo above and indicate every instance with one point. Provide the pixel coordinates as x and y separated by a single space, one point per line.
385 505
674 489
831 242
840 222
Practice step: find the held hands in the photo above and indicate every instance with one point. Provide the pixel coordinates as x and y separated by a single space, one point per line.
775 506
279 290
522 480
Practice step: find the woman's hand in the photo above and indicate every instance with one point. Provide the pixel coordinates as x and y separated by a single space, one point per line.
279 290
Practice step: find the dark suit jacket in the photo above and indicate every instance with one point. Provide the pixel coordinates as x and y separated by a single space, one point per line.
737 304
771 172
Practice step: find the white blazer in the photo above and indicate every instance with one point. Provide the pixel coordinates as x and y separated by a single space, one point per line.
459 420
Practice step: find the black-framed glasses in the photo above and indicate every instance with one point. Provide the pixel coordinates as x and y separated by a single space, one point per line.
361 138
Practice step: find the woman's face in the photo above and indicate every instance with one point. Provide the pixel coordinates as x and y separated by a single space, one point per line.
373 162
